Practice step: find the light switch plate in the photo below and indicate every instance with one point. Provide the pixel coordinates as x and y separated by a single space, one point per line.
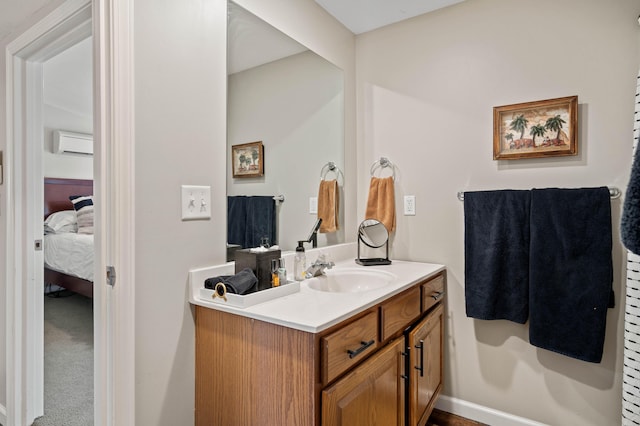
196 202
409 205
313 205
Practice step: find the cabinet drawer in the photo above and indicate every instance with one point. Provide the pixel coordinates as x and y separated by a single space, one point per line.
432 292
396 314
347 346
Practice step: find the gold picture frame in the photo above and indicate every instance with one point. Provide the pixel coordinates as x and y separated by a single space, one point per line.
536 129
247 160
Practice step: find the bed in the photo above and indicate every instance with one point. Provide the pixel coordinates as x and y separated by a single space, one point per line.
68 254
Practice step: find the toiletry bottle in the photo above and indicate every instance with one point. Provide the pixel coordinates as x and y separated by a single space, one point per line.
299 262
275 277
282 273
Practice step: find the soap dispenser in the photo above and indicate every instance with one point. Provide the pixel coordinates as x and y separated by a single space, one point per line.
299 262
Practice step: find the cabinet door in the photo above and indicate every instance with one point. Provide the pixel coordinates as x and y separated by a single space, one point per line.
425 383
372 394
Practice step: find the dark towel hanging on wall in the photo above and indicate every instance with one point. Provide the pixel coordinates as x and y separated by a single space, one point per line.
630 221
249 219
571 270
545 255
496 254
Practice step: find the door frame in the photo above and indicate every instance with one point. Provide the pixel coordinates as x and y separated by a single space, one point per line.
111 24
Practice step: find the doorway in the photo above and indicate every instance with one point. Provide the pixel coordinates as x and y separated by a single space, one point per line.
73 20
67 117
25 381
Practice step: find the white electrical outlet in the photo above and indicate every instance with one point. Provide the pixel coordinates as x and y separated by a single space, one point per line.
409 205
196 202
313 205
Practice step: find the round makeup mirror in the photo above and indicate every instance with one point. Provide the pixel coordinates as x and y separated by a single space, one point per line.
373 234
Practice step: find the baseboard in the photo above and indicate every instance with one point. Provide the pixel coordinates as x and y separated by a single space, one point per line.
481 414
3 415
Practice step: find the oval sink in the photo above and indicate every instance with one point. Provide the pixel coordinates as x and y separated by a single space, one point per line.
350 280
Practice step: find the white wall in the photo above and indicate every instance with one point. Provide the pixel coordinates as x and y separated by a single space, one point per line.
180 119
295 107
65 165
426 89
68 105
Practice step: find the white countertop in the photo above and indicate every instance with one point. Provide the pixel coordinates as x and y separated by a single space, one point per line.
311 310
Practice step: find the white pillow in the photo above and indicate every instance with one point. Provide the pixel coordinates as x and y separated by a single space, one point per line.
61 222
83 206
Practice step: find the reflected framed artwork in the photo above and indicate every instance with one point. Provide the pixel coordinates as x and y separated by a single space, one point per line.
248 160
536 129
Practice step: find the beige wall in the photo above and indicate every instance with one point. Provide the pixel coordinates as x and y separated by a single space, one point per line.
3 233
426 89
295 107
180 118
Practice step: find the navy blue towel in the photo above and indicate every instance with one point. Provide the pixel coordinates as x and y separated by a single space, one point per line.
630 221
497 254
236 220
241 283
571 270
250 219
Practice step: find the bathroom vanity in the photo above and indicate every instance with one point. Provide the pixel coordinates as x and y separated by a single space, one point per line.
332 356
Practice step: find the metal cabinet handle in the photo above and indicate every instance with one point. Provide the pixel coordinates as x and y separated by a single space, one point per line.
355 352
405 363
421 367
437 295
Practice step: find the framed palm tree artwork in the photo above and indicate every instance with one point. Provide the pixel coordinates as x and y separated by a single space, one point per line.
536 129
247 160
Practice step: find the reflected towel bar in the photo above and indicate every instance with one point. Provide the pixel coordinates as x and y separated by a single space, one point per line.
613 192
330 167
279 198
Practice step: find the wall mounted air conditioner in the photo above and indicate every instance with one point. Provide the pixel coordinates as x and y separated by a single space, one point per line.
72 143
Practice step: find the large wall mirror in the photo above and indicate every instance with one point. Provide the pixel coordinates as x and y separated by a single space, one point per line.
291 100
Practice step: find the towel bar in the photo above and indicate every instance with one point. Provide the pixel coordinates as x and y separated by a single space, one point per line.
614 192
382 163
279 198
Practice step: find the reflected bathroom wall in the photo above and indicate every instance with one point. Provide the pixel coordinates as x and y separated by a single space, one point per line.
295 106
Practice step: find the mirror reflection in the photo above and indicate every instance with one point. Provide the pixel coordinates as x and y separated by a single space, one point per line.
291 100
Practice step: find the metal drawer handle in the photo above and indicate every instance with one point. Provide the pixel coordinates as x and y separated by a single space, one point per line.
421 366
437 295
354 353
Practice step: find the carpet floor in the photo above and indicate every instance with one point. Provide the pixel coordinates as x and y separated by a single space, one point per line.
68 361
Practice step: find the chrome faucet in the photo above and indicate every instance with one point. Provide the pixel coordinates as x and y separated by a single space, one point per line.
318 267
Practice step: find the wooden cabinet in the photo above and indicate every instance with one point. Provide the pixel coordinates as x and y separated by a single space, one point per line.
425 359
399 312
345 347
432 291
361 371
370 395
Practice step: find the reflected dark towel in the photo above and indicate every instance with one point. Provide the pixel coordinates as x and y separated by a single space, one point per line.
236 220
496 243
630 221
241 283
261 220
249 219
571 270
